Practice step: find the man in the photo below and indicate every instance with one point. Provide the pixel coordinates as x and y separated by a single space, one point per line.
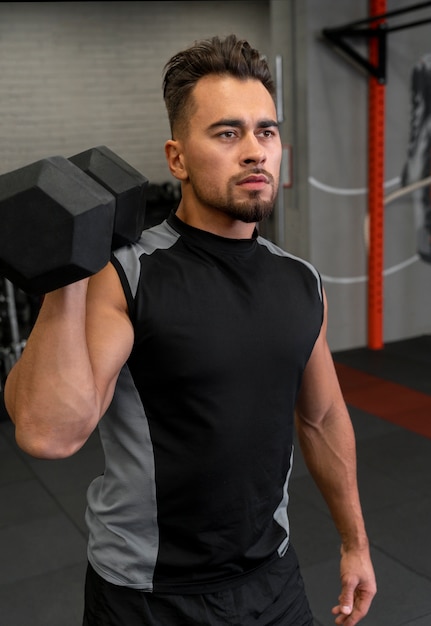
192 351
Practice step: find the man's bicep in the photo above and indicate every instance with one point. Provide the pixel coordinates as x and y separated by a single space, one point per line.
320 388
109 331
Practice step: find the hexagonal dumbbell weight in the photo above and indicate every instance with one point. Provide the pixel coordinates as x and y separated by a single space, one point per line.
59 220
126 184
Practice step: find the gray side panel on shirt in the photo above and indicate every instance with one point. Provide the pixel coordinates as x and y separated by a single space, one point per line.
122 507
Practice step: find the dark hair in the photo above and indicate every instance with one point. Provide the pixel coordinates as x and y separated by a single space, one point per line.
230 56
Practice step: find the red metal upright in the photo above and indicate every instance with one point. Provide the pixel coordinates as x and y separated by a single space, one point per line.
376 167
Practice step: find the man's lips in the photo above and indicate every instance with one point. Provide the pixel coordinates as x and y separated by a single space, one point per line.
254 179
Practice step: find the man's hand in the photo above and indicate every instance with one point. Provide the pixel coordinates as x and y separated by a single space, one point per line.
358 587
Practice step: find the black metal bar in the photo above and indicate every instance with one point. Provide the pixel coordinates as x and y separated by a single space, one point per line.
337 38
392 29
383 16
353 54
338 34
355 32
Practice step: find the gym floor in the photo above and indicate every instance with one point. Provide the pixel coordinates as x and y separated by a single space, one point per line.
43 535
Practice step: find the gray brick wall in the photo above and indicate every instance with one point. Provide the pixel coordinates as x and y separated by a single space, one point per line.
78 74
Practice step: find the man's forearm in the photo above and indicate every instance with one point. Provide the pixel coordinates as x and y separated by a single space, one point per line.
329 451
50 392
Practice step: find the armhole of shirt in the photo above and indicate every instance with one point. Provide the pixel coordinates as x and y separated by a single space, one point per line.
319 278
126 286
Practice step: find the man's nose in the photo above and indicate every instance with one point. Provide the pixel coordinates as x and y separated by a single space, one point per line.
253 151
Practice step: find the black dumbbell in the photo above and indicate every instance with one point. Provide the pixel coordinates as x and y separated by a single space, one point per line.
126 184
61 218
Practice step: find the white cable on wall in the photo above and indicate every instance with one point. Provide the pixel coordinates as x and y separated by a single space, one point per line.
398 193
348 192
363 279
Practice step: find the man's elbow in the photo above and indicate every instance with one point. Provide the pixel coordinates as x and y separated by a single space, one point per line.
49 445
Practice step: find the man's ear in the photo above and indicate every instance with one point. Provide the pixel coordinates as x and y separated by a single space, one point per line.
175 159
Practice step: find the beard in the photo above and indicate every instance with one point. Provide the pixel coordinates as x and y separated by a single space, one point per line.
248 210
252 210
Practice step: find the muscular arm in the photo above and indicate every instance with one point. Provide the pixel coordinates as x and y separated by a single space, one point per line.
64 380
327 441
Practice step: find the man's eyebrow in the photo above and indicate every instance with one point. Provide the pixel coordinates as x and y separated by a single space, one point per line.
238 123
268 124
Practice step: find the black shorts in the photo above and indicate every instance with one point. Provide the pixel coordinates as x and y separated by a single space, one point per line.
274 597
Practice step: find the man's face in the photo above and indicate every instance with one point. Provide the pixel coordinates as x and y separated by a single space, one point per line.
232 150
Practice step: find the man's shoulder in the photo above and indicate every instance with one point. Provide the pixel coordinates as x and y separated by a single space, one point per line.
276 250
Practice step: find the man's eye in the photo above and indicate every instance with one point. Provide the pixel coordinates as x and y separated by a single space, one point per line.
228 134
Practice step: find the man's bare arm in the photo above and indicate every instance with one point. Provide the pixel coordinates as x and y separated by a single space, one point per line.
327 441
64 380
